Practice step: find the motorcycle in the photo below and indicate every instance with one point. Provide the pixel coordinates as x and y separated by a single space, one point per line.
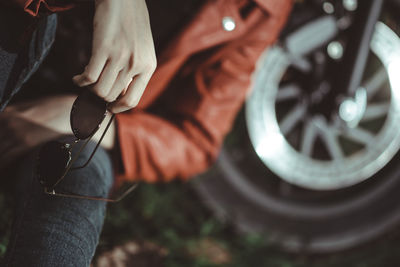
312 160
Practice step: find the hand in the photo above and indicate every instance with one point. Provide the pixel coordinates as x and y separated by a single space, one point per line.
29 124
123 56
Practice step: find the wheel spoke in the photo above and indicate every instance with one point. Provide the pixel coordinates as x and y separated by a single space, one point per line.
360 135
308 138
330 137
301 64
293 117
375 111
375 82
288 92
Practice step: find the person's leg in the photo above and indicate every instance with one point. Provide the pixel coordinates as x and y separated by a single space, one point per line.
58 231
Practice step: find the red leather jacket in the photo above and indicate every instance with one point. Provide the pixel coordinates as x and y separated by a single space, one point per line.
214 64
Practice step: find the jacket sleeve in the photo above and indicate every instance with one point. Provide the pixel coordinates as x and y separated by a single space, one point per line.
185 137
38 7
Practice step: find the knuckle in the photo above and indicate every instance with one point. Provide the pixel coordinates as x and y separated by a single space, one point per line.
130 102
121 54
88 77
112 96
136 66
131 73
125 53
118 109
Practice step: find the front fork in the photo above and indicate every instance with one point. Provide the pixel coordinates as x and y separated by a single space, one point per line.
348 78
352 68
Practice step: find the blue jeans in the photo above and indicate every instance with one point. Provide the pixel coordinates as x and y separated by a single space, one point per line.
47 230
59 231
24 43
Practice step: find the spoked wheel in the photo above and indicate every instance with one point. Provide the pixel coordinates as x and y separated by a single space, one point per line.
310 177
316 148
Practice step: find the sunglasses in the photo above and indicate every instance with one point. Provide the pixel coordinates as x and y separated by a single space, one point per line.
55 158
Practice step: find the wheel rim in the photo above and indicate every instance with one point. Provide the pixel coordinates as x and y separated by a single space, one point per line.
297 163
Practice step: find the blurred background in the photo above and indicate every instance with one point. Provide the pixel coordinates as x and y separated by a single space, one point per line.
307 177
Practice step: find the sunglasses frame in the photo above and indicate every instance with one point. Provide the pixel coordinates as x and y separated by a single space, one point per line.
51 190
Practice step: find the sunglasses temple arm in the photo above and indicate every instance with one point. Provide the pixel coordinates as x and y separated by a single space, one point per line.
97 145
80 197
130 189
92 198
72 162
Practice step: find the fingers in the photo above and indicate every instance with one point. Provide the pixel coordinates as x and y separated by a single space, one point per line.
123 48
107 78
133 94
122 82
92 70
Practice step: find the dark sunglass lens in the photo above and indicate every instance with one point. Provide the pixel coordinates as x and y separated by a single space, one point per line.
53 158
87 114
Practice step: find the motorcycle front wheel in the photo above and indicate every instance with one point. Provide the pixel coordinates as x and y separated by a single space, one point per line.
297 173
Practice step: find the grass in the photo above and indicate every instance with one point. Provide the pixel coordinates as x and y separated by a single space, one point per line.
172 216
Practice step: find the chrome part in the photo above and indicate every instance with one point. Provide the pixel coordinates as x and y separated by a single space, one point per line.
348 110
350 5
352 110
328 8
228 23
335 50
